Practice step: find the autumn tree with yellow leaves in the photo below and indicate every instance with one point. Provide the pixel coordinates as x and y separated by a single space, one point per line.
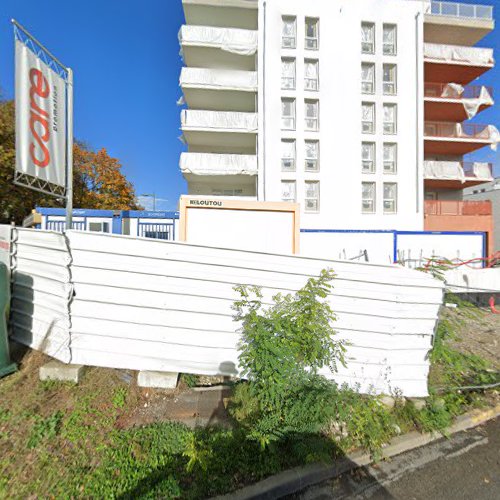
97 178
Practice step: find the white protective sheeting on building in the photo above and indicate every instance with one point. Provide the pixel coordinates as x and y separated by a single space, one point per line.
482 171
218 164
219 120
41 292
444 170
458 54
225 79
472 104
233 40
162 306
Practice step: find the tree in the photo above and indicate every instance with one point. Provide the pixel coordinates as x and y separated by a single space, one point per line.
98 181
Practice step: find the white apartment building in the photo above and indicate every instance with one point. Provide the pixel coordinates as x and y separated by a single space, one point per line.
352 108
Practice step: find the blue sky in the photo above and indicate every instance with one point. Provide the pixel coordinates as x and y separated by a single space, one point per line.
125 58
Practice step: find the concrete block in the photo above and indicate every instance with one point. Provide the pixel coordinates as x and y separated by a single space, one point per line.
157 380
388 401
419 403
55 370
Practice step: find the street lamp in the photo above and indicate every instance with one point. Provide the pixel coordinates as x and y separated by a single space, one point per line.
153 195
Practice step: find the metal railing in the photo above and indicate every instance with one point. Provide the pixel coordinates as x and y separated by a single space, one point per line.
457 208
464 10
447 91
457 130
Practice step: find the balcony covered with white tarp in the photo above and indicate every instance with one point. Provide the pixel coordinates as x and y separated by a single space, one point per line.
208 164
231 131
454 102
213 47
210 174
219 89
456 174
455 63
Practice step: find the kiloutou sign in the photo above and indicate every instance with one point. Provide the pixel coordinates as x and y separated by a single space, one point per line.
40 119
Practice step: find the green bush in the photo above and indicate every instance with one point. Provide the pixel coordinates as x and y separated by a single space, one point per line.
281 350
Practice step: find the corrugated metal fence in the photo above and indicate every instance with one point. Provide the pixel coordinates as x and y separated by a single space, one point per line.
124 302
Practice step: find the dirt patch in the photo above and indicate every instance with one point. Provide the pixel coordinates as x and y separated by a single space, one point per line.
478 332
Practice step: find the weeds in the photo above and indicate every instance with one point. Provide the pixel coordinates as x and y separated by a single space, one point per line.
45 428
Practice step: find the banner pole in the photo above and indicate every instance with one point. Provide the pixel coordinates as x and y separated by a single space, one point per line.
69 154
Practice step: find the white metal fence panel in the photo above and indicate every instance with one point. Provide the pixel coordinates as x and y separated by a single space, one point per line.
125 302
41 292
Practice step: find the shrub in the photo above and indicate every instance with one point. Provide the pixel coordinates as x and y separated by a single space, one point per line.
282 349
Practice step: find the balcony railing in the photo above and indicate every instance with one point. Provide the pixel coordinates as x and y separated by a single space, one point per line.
464 10
457 208
460 131
455 91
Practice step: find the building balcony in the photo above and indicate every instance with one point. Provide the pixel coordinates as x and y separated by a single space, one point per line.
223 13
219 89
456 174
458 208
457 23
194 166
460 216
454 63
454 102
222 48
458 139
219 131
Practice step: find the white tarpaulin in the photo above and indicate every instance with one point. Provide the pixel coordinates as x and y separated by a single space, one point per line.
219 79
225 120
473 104
457 53
40 119
236 41
444 170
482 171
218 164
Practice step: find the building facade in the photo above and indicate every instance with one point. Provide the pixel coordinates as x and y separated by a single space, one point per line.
358 110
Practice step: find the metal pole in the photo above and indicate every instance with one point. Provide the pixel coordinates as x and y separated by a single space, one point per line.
69 153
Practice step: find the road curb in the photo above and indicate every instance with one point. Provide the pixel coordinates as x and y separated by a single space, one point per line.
296 479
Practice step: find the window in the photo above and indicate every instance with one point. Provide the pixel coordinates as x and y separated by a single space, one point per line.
99 227
389 79
367 78
288 114
390 158
312 115
288 74
312 156
288 155
311 75
390 119
368 118
289 191
312 34
368 38
368 157
289 33
368 197
312 197
390 197
389 40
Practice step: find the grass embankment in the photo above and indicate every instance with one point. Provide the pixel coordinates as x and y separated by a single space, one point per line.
62 441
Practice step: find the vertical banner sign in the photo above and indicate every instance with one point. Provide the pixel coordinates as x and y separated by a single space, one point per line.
41 118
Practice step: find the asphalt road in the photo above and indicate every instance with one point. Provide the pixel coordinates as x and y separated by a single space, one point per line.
466 466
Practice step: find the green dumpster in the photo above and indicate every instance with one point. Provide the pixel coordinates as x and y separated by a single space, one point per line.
6 366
